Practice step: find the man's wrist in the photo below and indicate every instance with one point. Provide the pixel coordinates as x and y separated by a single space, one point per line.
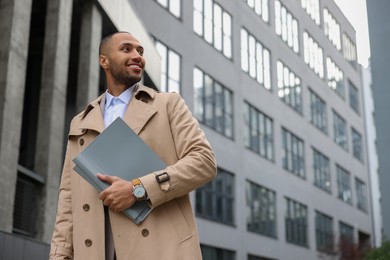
139 190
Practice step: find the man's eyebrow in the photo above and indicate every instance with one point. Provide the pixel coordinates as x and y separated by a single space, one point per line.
138 46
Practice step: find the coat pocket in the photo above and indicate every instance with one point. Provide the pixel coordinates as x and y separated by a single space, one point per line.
178 221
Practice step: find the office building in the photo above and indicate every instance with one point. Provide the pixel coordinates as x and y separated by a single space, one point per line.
275 85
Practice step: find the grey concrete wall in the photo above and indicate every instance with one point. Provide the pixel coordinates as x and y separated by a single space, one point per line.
88 71
49 148
14 27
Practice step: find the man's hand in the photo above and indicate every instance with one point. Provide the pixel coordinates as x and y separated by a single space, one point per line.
119 195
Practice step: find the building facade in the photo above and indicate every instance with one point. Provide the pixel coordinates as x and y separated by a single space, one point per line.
274 83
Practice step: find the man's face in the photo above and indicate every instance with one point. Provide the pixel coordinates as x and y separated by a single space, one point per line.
126 61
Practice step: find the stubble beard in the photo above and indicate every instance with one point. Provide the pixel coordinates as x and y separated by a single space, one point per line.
122 76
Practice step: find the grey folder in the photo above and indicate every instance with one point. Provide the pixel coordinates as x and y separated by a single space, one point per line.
118 151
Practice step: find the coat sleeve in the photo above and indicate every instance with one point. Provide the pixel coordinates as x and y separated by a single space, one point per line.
196 163
61 246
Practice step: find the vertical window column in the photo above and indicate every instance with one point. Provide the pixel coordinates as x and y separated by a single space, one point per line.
170 68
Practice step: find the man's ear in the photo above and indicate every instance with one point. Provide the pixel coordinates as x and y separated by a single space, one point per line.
103 61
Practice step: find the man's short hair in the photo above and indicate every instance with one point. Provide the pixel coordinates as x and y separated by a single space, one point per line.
106 39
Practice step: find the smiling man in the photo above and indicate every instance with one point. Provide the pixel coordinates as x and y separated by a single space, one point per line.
90 225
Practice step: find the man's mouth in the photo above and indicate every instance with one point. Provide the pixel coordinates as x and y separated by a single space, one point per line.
135 66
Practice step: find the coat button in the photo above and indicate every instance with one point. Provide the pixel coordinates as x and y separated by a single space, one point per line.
81 141
86 207
88 242
145 232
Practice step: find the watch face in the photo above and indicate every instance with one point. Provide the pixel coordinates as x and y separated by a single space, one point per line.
139 192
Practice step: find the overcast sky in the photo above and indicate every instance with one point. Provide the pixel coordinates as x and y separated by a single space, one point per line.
356 13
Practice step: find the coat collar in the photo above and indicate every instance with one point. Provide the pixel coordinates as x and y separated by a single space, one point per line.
137 114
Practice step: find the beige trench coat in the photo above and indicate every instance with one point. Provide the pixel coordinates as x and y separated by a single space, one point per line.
164 122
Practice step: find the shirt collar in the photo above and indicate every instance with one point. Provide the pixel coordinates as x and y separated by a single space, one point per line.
125 96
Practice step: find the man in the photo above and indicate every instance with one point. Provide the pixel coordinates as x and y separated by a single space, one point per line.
90 225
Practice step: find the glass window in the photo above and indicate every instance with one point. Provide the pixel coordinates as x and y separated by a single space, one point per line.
344 184
340 131
357 144
255 59
213 103
261 210
296 223
260 7
318 112
286 26
354 97
324 232
346 232
214 253
335 77
293 154
214 24
312 8
332 29
215 200
170 68
346 241
289 87
258 132
349 50
321 171
361 194
313 55
173 6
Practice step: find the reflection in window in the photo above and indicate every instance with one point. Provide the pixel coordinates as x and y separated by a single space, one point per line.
340 131
215 253
293 154
261 209
213 103
312 8
349 50
344 184
296 223
313 55
332 29
213 24
354 97
173 6
286 26
255 59
289 87
335 77
321 167
260 7
170 68
318 112
324 232
357 144
258 135
215 200
361 194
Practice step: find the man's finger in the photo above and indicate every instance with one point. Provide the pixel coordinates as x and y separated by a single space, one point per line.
106 178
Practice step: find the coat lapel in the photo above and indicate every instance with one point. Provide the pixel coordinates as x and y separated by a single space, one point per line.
139 112
93 116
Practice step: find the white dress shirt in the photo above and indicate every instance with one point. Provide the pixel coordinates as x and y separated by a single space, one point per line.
116 106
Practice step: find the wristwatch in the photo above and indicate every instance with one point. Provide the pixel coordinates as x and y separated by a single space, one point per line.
139 191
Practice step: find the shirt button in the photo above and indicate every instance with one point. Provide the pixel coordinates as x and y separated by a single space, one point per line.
86 207
88 242
81 141
145 232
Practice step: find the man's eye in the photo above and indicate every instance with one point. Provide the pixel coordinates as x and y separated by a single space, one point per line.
141 52
126 49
